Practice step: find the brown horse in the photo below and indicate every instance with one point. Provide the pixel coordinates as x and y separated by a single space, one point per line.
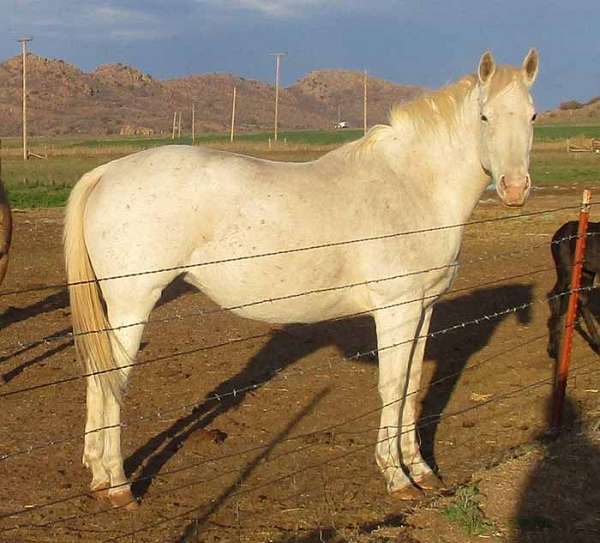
5 228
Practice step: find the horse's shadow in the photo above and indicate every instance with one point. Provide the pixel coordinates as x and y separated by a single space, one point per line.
561 497
351 336
451 352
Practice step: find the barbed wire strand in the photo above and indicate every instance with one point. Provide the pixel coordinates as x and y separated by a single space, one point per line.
161 413
310 467
289 251
22 347
70 335
237 340
253 387
184 468
420 425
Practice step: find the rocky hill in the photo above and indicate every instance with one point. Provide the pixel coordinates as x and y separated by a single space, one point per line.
573 111
114 98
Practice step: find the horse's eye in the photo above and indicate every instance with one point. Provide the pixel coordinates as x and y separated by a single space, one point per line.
484 118
534 117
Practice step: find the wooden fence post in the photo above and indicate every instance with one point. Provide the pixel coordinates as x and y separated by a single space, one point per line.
562 372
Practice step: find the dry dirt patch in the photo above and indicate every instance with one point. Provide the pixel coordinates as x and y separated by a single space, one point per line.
282 474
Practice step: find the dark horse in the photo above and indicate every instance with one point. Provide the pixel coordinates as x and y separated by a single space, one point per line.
563 252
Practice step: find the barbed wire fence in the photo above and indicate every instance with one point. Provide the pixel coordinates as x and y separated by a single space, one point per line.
198 514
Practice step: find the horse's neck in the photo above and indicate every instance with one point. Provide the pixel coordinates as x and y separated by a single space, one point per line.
451 166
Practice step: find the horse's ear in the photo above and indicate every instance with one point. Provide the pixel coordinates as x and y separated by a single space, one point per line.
530 66
487 67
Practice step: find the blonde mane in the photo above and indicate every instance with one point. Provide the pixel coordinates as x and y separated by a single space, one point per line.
436 113
440 109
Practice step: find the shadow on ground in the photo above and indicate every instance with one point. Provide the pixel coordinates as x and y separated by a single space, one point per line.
561 499
450 353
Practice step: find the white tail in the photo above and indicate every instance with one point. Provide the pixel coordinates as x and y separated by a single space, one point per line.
88 313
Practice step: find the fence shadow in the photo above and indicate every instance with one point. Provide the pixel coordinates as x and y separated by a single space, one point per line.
561 498
292 343
14 372
52 302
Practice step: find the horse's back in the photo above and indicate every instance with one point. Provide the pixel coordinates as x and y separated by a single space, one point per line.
180 206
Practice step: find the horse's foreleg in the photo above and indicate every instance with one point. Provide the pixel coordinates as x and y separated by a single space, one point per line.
558 302
418 469
396 330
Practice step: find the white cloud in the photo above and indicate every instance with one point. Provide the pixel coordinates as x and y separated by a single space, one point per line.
86 20
274 8
114 14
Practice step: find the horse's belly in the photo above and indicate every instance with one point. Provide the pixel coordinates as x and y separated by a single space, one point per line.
281 290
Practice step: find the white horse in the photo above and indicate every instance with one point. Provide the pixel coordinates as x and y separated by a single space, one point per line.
178 206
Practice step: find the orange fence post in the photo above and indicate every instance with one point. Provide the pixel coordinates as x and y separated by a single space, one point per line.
562 372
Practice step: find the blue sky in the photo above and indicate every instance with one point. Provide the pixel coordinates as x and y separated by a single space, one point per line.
422 42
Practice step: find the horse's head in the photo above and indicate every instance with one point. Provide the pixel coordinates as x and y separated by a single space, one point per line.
506 116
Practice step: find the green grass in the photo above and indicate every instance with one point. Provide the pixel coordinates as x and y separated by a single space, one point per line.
562 132
307 137
560 167
464 511
21 197
44 183
39 183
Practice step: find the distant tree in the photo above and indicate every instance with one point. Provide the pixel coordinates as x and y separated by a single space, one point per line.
571 104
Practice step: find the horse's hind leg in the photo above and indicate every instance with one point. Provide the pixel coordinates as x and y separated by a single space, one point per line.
93 449
122 314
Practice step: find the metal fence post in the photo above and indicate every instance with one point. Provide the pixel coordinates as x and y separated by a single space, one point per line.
562 372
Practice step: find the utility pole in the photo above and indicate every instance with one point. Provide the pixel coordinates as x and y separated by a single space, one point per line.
233 114
174 125
365 104
23 42
277 64
193 123
179 127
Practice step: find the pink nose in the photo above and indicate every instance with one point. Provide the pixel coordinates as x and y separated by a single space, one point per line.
513 190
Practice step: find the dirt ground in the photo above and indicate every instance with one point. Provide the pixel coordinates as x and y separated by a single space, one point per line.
295 458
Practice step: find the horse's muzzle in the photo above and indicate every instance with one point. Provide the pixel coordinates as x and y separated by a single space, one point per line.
513 191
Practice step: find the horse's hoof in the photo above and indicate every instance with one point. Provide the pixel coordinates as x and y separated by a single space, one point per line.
124 499
408 493
430 482
100 492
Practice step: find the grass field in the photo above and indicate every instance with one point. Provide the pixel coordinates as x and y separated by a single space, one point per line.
46 183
